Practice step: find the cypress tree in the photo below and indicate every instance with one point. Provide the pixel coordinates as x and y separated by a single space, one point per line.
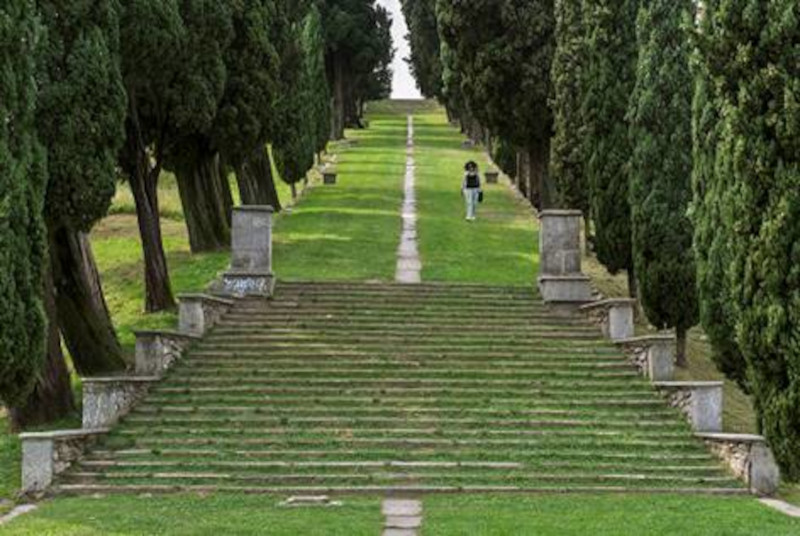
749 50
610 27
661 167
423 38
23 178
80 121
566 157
314 42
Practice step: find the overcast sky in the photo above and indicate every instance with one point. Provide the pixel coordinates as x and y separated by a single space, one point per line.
403 85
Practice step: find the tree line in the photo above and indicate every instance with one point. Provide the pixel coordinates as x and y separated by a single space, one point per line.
94 93
674 126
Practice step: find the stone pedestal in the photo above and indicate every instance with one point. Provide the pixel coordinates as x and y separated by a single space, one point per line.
614 316
251 256
492 177
749 458
329 177
45 455
653 355
560 277
105 400
156 351
701 402
199 312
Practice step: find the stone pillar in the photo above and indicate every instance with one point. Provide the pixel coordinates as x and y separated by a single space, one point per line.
653 355
47 454
329 175
197 313
156 351
105 400
615 317
701 402
560 278
251 257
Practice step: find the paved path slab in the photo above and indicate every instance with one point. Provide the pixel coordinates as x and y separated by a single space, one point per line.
409 266
16 512
782 506
403 517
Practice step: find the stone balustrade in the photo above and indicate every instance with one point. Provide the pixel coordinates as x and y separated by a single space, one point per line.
198 313
614 316
250 273
48 454
701 402
105 400
749 458
156 351
653 355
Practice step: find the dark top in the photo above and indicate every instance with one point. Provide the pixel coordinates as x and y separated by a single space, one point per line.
472 180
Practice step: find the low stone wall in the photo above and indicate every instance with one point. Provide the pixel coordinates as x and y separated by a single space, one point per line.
701 402
156 351
48 454
614 317
652 355
105 400
749 458
198 313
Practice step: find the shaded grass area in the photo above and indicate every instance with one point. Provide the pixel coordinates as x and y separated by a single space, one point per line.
9 464
349 231
499 248
615 515
196 515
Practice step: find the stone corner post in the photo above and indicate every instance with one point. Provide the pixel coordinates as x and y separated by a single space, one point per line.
251 253
560 278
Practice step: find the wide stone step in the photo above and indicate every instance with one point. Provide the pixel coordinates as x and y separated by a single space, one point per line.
427 286
322 329
388 308
88 489
567 356
384 340
212 362
343 322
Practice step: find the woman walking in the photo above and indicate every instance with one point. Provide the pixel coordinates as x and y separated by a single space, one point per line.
471 188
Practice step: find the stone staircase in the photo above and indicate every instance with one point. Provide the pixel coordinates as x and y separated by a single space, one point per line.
347 387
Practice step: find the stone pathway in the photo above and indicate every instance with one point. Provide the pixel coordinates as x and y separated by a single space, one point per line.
16 512
409 265
403 517
782 506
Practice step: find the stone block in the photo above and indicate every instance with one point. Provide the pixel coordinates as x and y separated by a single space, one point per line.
560 242
567 289
653 355
491 177
105 400
251 239
749 459
614 316
45 455
244 284
329 178
156 351
198 313
701 402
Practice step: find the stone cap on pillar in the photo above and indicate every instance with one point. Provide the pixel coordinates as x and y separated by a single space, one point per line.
644 339
62 434
560 212
204 297
254 208
122 379
165 333
607 303
688 384
734 438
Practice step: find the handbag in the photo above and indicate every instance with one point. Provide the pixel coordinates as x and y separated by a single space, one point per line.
480 196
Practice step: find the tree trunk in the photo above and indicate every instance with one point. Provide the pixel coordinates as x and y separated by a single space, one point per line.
207 202
338 115
541 195
522 173
256 176
293 186
680 350
52 397
488 144
82 312
633 286
144 186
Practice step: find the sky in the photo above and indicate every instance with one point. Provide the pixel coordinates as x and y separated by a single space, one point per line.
403 85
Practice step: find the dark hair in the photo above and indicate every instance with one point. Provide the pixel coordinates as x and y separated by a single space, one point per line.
470 166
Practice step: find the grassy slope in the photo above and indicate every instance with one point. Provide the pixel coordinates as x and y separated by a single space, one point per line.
193 515
500 247
612 515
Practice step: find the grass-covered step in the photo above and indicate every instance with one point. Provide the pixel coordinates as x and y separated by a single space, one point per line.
568 355
392 329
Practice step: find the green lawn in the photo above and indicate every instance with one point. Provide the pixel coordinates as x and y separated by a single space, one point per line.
598 515
499 248
193 515
9 463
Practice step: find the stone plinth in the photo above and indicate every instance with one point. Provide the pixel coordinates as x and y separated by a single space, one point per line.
749 458
565 289
653 355
701 402
156 351
200 312
614 316
491 177
329 177
560 278
251 256
105 400
47 454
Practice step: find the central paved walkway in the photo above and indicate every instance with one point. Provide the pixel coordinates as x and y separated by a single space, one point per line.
409 265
